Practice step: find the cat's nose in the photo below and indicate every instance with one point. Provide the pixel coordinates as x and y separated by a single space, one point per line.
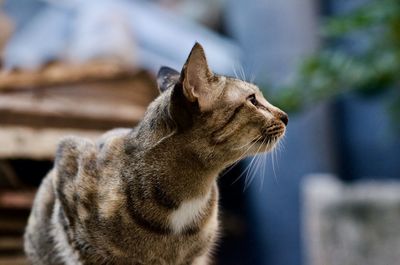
284 118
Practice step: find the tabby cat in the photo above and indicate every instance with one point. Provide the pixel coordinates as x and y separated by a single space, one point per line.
149 195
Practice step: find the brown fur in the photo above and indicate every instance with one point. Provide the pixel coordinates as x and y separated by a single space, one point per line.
148 195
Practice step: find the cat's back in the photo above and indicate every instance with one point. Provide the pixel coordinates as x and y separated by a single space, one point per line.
45 239
101 204
38 241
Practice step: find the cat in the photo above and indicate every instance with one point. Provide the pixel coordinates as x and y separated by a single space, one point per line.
148 195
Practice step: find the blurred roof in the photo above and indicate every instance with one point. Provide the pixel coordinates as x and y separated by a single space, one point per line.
132 32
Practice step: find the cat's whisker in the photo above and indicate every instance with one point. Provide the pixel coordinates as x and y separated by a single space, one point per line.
234 71
247 182
264 168
252 78
255 171
252 142
277 151
246 179
255 70
271 156
244 154
243 75
245 170
273 159
249 176
282 145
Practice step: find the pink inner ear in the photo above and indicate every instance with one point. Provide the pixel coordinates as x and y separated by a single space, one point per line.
189 90
197 77
200 89
196 82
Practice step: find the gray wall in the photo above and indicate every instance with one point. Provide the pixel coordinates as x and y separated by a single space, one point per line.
275 35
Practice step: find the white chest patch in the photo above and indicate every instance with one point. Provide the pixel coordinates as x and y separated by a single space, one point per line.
188 213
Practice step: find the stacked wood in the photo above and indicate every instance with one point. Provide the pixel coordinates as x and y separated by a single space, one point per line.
40 107
58 73
14 210
36 143
16 199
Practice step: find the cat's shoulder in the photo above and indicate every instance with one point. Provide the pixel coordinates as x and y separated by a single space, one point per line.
70 147
108 137
75 146
74 152
112 143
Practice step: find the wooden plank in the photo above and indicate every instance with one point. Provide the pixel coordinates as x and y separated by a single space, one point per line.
96 105
13 260
35 143
16 199
64 113
14 226
60 74
8 177
11 243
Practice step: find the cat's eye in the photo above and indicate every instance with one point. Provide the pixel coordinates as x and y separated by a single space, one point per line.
252 99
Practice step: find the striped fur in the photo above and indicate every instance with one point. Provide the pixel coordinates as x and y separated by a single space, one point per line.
148 195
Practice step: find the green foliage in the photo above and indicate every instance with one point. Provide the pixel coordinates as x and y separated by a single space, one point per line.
369 70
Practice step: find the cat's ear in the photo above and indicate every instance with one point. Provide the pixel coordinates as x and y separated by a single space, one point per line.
166 78
196 78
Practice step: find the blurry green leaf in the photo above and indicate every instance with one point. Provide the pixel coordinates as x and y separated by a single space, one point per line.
371 71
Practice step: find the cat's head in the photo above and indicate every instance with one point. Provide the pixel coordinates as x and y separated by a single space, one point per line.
220 113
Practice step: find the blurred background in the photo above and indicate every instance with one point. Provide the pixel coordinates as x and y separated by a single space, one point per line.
328 195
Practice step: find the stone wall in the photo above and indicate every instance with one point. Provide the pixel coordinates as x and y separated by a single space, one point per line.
351 224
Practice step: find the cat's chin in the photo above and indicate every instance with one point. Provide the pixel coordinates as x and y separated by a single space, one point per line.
267 144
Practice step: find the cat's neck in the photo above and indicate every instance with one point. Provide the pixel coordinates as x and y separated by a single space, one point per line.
190 170
177 164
